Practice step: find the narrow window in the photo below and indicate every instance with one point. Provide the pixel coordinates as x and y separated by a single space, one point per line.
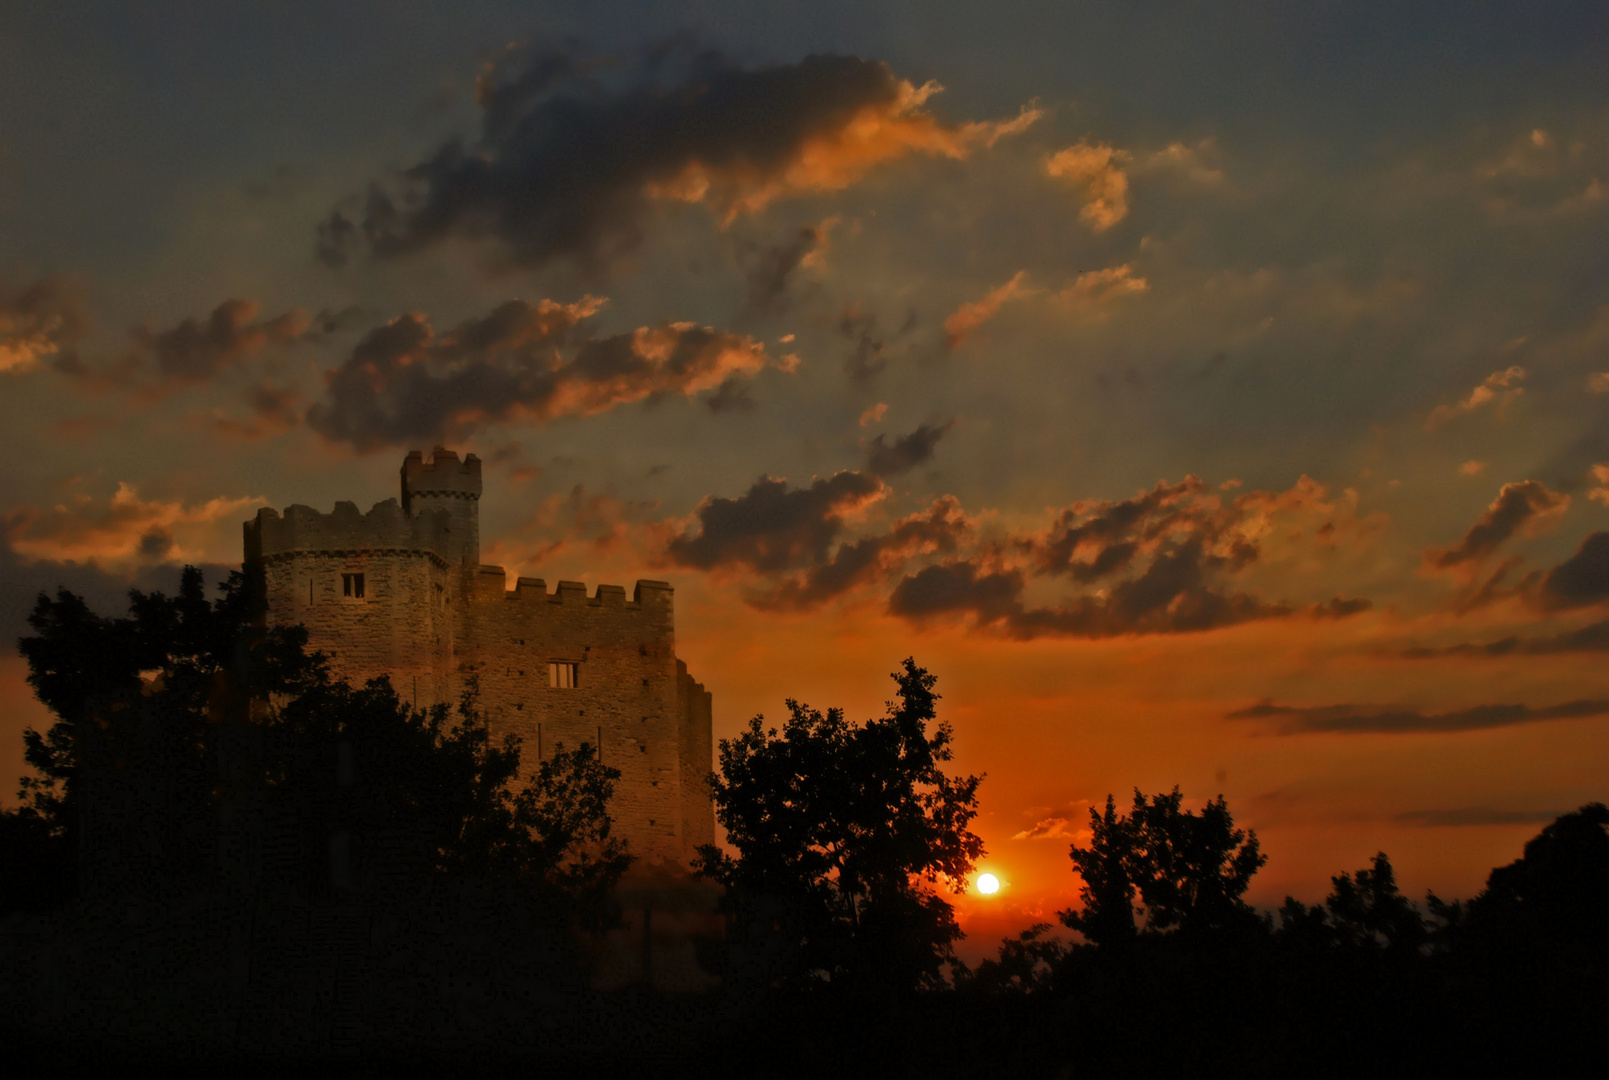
564 674
352 585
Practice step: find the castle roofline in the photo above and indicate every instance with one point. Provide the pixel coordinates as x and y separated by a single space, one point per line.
493 580
442 475
384 528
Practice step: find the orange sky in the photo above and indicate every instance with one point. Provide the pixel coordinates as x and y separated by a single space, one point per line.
1221 408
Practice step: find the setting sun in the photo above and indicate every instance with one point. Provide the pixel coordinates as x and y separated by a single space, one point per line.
988 884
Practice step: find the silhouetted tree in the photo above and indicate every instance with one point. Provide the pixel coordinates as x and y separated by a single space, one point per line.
1189 871
1367 911
1106 888
1554 896
177 671
1026 964
842 832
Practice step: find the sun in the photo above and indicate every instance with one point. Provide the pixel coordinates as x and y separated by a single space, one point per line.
988 884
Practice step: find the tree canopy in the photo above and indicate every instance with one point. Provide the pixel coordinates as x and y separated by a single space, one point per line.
845 835
1188 870
177 672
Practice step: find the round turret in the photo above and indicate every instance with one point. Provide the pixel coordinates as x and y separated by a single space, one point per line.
447 484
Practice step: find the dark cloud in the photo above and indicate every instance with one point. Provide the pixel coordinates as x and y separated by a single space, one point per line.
337 235
1436 819
731 396
1171 596
774 528
938 530
1174 577
1369 719
772 273
1517 507
869 354
194 350
1581 579
572 155
960 586
1341 608
906 452
403 383
43 321
1592 638
1091 540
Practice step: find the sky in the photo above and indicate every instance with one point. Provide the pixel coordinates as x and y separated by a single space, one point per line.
1210 395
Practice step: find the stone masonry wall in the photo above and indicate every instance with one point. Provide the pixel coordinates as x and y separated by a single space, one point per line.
431 618
624 701
694 715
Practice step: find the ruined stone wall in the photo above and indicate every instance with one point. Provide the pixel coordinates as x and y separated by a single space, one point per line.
625 700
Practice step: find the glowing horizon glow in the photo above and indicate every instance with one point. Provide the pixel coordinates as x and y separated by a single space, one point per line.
988 884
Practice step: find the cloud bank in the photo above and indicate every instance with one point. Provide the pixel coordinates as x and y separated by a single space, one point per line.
405 383
571 159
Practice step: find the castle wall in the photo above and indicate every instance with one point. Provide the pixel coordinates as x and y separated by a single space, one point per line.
431 617
403 625
625 694
695 744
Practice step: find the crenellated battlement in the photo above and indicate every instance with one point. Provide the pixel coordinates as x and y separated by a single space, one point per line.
444 476
385 527
492 579
400 591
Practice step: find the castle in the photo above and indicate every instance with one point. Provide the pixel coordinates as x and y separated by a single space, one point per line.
400 591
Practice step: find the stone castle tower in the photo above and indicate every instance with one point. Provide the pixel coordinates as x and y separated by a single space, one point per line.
400 591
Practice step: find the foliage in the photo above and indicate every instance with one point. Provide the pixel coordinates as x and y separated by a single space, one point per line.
1026 964
842 833
1188 870
182 674
1553 896
1367 911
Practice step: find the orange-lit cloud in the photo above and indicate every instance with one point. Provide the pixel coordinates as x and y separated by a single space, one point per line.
1598 382
1093 289
832 159
570 162
128 530
1472 468
1192 162
1600 476
973 314
1096 172
522 361
874 414
1522 508
44 320
1497 389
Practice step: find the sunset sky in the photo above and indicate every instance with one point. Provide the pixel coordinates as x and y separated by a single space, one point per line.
1212 395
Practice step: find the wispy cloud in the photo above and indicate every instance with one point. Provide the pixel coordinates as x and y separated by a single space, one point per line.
44 320
1520 508
964 320
1496 391
1097 172
1373 719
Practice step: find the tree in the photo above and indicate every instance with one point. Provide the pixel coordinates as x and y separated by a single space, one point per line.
1189 871
1026 964
1367 911
842 833
178 673
1553 897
